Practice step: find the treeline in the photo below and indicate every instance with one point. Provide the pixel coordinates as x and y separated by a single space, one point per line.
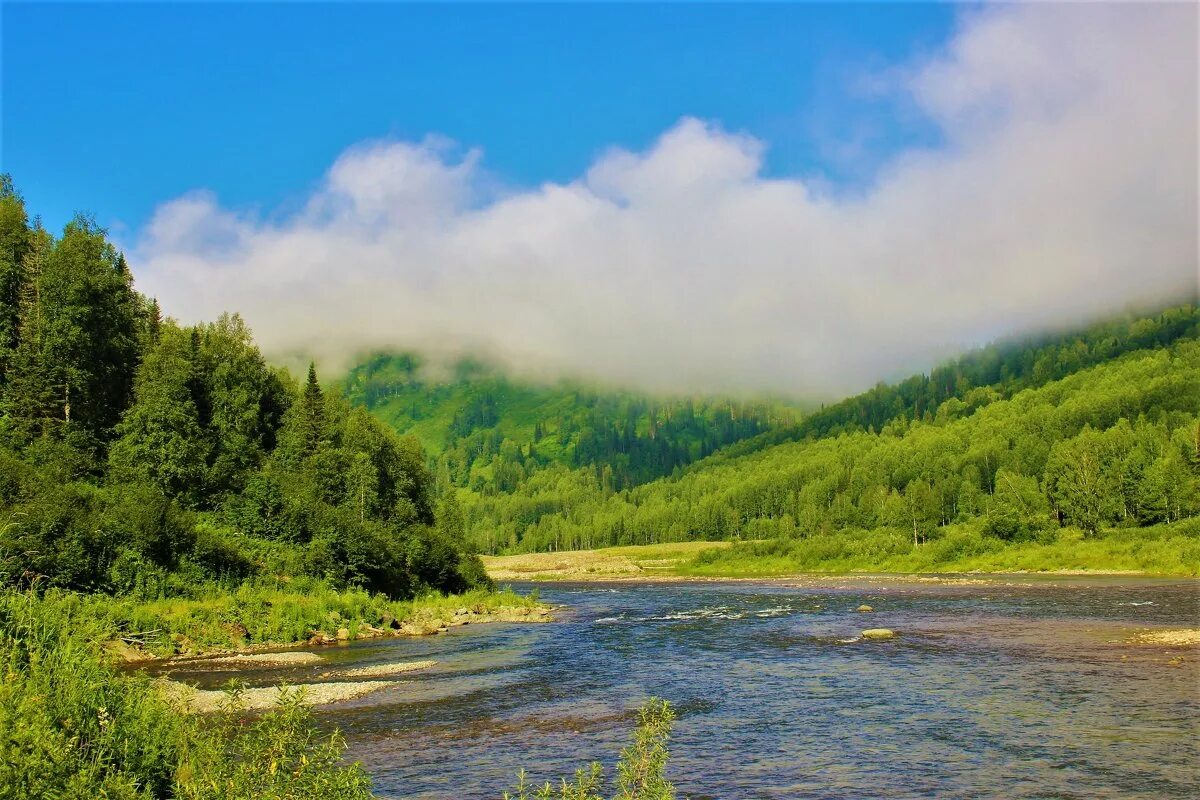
141 456
491 434
989 373
1116 444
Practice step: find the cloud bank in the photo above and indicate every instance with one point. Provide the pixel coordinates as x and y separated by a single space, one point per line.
1065 187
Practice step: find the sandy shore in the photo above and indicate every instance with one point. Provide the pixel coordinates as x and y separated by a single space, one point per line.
257 660
636 562
380 670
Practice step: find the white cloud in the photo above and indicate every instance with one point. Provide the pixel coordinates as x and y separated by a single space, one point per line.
1066 187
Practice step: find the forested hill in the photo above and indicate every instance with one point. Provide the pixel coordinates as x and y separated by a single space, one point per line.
490 433
989 373
1116 445
542 496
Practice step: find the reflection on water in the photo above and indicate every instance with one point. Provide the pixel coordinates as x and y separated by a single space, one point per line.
997 689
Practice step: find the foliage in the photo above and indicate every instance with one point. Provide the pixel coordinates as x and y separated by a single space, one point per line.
641 769
73 726
919 455
1172 549
490 434
143 456
1113 445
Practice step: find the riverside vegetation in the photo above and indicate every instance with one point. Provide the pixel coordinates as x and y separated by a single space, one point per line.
164 490
73 726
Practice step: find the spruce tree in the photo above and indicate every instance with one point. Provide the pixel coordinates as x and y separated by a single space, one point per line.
312 404
32 377
14 244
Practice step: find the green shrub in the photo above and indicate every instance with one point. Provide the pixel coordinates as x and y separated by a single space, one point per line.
641 770
72 726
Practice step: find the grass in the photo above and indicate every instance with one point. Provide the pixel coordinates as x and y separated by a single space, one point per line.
1160 550
1172 549
73 726
219 619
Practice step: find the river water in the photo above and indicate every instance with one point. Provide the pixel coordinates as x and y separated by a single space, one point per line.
1003 688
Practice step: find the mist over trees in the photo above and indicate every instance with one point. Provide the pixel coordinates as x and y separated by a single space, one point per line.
1011 443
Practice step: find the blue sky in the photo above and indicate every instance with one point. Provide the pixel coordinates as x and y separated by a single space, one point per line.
117 108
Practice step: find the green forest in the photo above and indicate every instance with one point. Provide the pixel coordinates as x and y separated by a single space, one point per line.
490 433
1033 443
139 456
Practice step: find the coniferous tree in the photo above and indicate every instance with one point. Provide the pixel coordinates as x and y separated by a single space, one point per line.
14 244
312 408
161 439
33 376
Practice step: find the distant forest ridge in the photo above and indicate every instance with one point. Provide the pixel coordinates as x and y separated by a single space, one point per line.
541 467
473 410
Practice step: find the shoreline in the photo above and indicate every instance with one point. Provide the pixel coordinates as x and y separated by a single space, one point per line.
676 562
552 577
133 657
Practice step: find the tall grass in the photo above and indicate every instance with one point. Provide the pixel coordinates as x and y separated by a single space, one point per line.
641 769
72 726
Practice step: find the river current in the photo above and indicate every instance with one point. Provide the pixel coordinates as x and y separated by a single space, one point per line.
1001 688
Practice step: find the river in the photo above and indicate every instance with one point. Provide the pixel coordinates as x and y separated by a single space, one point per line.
1002 688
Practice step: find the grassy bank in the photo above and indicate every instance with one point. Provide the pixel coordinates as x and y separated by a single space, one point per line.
1159 550
72 725
1172 549
215 620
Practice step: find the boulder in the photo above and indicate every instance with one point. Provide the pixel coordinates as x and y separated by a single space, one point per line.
864 609
343 634
878 633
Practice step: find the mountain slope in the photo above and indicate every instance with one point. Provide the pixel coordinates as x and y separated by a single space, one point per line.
490 433
1113 444
554 467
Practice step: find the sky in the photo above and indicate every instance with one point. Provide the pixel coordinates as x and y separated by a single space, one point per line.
798 198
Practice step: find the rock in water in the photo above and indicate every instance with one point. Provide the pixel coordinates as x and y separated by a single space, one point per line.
878 633
864 608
